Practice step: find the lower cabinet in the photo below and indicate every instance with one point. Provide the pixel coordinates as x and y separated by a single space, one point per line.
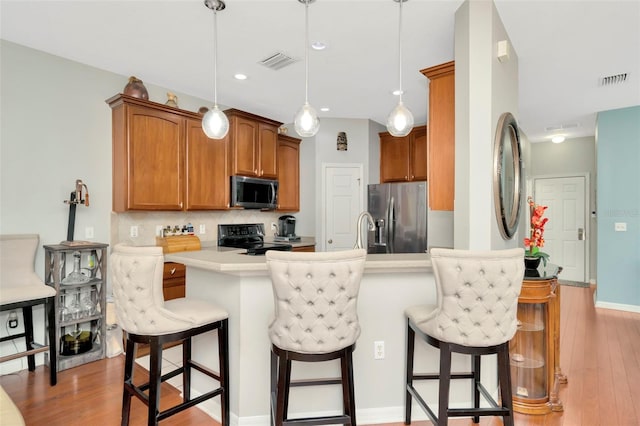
304 248
174 280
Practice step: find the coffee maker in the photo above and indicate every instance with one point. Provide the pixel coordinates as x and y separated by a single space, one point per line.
287 228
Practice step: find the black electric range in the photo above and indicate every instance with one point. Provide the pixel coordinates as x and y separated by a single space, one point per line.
248 236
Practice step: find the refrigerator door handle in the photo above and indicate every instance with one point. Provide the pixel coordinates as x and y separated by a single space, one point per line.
391 226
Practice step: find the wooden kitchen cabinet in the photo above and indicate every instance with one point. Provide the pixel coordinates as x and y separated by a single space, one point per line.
207 171
173 280
288 173
162 160
404 159
441 135
253 144
304 248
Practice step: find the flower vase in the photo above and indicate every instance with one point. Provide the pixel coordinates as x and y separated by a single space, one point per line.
531 262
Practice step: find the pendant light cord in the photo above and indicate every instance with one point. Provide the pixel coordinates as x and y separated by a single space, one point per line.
400 50
215 57
306 52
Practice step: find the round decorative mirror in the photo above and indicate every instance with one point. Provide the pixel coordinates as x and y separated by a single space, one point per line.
507 172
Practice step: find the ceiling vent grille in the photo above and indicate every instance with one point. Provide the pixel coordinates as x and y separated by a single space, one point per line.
277 61
613 79
565 126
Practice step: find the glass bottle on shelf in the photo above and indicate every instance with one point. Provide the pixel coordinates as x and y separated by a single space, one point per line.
63 311
87 305
75 310
76 276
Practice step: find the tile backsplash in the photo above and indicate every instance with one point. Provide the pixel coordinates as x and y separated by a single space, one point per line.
147 222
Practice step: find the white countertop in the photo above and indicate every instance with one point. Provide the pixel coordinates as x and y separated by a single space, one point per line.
235 262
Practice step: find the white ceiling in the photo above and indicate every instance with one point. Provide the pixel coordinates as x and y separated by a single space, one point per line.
564 48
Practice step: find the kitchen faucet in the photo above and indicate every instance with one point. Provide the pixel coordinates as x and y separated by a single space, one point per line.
371 226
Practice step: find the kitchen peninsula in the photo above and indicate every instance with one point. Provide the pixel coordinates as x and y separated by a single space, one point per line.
239 283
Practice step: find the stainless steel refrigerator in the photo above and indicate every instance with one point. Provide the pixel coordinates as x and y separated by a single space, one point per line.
399 213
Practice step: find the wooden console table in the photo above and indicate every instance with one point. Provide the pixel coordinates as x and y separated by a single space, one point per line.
535 349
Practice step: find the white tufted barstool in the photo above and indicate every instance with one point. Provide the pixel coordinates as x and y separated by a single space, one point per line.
316 319
21 288
475 315
147 318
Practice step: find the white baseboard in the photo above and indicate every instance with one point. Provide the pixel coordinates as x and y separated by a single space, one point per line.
618 306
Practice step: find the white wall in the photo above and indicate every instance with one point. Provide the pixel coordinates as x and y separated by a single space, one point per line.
485 88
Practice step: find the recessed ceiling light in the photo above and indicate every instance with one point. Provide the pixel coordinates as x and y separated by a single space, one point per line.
325 109
240 76
318 45
558 139
398 92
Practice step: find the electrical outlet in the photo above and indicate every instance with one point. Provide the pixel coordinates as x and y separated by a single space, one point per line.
203 229
274 227
88 232
133 231
13 319
378 349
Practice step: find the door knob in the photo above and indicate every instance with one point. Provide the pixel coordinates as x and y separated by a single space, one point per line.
330 241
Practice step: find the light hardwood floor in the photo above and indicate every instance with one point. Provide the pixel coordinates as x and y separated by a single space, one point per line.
600 353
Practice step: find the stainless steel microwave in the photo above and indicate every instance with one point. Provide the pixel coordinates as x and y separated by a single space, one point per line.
254 193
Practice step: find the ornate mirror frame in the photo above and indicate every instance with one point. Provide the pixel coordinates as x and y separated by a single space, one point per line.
507 175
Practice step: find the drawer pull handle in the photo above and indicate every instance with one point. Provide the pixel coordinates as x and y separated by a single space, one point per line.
173 271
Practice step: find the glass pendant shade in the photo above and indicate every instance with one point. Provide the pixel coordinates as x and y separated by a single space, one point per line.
400 121
306 121
215 123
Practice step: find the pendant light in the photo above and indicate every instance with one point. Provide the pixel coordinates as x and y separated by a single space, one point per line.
400 120
215 123
306 121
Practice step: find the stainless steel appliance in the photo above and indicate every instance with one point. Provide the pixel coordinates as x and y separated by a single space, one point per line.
248 236
254 193
399 212
286 229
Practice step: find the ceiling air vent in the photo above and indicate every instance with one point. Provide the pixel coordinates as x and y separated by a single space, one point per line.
277 60
613 79
565 126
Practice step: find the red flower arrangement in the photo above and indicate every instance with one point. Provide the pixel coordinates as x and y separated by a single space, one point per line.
535 240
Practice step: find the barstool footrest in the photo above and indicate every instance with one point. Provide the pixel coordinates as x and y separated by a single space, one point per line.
466 412
188 404
423 404
316 382
330 420
34 351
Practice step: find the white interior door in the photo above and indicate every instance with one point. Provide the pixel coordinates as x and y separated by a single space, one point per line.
565 233
343 201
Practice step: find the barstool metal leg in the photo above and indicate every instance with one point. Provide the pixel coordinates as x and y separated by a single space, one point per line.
27 314
475 368
53 343
348 388
186 369
128 379
155 374
223 356
445 382
409 373
504 376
